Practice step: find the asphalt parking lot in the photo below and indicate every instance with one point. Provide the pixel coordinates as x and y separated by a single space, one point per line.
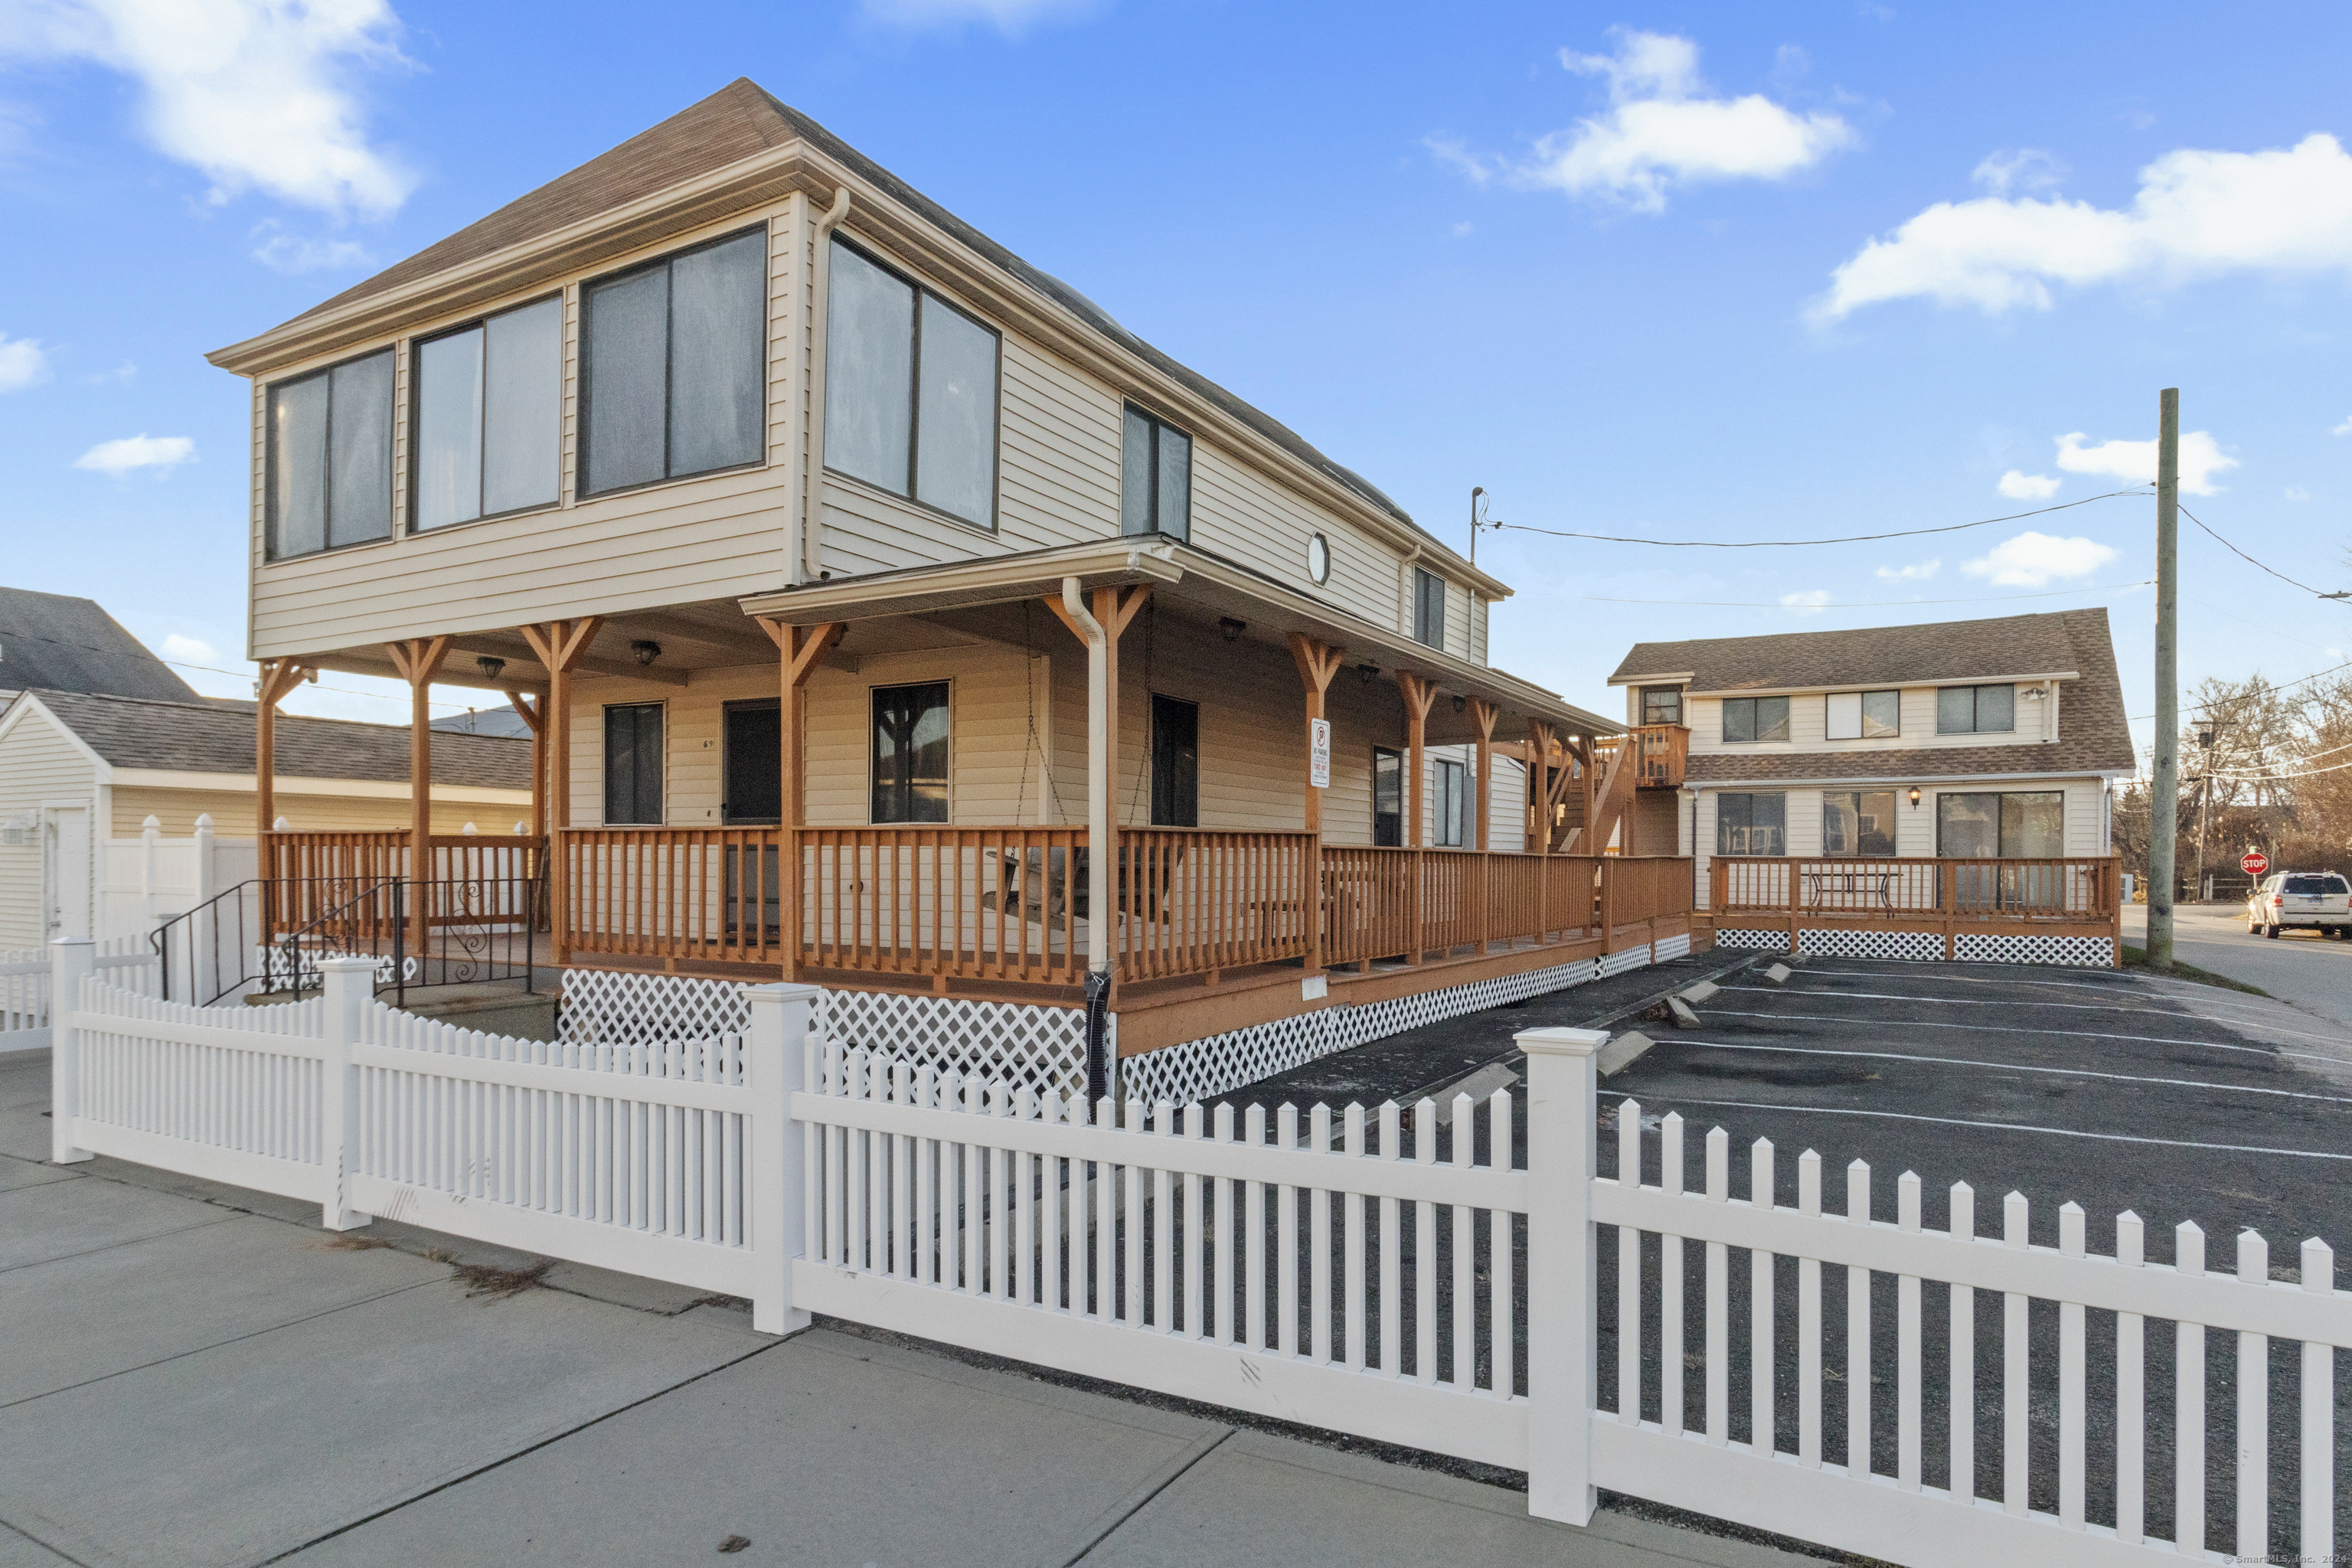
2177 1101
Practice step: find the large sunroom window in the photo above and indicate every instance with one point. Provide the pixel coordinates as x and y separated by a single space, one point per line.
329 461
910 391
489 417
674 356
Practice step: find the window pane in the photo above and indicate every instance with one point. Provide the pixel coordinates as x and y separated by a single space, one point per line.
910 752
359 441
1428 609
2032 826
1844 716
1388 799
297 468
1662 705
718 321
1967 826
1839 828
523 407
1956 709
869 372
955 465
628 345
1135 474
1882 714
449 429
633 763
1739 718
1874 822
1175 763
1772 718
1996 709
1175 514
1768 831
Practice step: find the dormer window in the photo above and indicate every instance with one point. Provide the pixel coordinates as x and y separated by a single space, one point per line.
330 457
489 417
674 366
910 391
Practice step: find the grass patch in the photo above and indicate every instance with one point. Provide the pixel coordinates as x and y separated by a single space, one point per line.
2137 958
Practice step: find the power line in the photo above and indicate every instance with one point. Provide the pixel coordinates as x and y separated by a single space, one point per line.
1862 604
1791 543
2258 565
345 690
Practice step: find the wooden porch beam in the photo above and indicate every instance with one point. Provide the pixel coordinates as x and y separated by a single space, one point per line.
1317 664
559 646
799 648
534 720
1483 713
278 677
418 660
1420 692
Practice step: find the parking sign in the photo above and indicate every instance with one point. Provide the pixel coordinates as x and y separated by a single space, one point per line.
1318 752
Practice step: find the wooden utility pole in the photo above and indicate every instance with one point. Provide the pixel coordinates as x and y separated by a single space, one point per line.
2163 793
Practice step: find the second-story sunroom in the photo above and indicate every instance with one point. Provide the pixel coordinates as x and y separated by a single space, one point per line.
842 560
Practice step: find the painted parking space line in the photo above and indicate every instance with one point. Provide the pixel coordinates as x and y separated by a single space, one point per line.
2002 1002
1672 1100
2014 1066
2015 1029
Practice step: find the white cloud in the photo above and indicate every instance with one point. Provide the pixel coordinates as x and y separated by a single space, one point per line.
22 362
2018 485
1918 572
189 650
1808 602
162 453
1661 131
2342 429
2025 169
2198 213
126 371
2297 492
292 254
2030 560
254 93
2134 462
1007 16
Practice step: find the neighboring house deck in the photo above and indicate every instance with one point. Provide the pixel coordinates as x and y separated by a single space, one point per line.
1923 791
891 615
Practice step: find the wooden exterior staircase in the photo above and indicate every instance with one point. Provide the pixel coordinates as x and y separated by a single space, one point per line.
1614 759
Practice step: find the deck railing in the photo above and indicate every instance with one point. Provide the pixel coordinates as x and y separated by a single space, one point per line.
1664 752
300 870
1011 904
1860 890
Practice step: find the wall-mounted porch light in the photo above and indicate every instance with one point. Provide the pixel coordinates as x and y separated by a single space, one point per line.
645 651
1914 797
1460 704
1367 672
1232 628
490 665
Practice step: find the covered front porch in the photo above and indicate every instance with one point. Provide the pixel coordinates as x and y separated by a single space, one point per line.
950 772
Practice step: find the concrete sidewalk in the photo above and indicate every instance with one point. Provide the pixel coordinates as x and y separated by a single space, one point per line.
196 1375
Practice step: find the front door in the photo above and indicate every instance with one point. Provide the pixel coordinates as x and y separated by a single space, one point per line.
752 792
65 882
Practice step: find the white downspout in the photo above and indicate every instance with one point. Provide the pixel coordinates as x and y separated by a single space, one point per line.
804 558
1099 892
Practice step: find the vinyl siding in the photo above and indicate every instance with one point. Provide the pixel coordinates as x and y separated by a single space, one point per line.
1237 514
38 763
1809 726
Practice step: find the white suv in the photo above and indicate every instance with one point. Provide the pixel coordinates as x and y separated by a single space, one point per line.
2320 899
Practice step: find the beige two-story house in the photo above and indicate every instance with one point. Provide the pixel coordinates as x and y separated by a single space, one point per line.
1924 791
890 616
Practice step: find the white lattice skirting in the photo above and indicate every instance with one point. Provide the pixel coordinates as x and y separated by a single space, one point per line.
1043 1047
1917 946
2074 950
1766 941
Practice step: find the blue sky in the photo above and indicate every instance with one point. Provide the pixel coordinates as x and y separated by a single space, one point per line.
1708 272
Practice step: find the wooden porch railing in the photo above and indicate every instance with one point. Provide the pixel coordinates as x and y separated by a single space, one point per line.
308 875
1858 890
975 903
1664 753
1193 902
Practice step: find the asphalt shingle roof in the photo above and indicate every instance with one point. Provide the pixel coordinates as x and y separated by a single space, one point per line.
217 737
64 644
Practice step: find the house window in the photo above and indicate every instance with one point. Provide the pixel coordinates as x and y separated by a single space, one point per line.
1976 710
489 409
1451 793
910 752
1388 799
751 767
330 457
1864 715
1858 822
675 359
633 763
910 391
1175 763
1751 824
1429 609
1155 478
1756 719
2019 826
1662 705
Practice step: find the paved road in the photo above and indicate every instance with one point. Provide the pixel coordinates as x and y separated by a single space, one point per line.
194 1376
2311 971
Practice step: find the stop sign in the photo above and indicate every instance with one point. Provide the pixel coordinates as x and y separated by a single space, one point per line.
2253 863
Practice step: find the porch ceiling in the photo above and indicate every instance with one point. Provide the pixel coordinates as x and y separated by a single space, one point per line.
1182 577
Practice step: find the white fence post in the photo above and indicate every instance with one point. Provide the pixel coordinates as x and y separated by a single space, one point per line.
72 960
1562 1323
782 1016
349 986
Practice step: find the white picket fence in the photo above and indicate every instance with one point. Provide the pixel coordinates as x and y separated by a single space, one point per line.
1397 1273
25 977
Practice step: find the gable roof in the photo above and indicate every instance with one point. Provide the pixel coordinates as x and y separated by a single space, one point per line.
63 643
217 737
741 120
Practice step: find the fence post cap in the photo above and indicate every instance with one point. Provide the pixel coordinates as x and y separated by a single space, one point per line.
347 966
73 942
778 990
1561 1041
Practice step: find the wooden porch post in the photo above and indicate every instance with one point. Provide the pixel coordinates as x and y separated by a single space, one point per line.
534 717
1540 817
418 660
558 646
1419 693
278 677
1113 609
800 646
1588 773
1317 663
1482 713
